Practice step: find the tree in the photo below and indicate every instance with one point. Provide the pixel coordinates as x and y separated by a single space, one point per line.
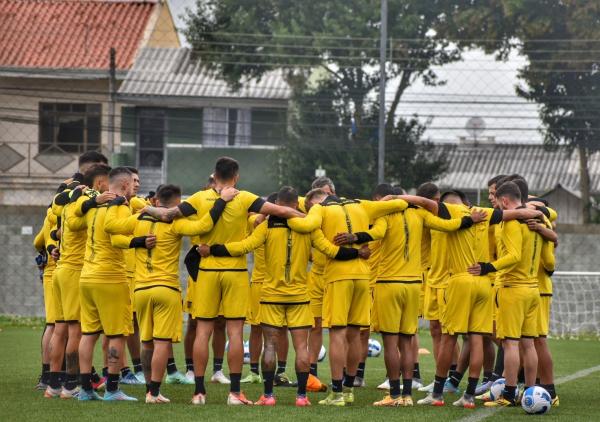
560 39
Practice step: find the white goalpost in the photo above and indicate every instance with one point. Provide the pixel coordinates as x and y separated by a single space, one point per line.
575 304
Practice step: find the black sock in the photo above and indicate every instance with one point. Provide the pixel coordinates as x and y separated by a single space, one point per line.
417 371
336 386
54 380
406 386
349 381
171 367
112 384
550 389
395 388
455 378
302 378
235 382
313 369
471 386
155 388
537 382
71 382
487 375
105 371
199 386
268 377
254 368
499 366
453 367
137 365
360 373
45 373
147 388
124 371
95 376
217 364
509 393
438 386
521 376
86 382
189 364
281 364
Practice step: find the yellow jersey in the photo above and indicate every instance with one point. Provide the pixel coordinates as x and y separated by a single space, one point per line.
258 269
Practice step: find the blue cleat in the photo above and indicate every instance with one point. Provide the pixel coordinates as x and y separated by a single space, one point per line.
450 388
131 379
118 395
140 377
178 378
88 395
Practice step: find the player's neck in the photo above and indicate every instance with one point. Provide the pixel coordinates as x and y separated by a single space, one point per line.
220 185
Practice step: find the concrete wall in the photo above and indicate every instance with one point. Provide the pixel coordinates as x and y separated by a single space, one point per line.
578 247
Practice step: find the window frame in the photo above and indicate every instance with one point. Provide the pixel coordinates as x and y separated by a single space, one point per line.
92 110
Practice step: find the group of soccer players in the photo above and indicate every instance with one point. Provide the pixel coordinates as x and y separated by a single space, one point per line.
320 261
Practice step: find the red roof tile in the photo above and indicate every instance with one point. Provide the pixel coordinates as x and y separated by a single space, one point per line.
71 34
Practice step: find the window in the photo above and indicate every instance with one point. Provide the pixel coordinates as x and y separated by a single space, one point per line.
226 127
69 127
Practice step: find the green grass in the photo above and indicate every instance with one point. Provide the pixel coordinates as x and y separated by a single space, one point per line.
19 369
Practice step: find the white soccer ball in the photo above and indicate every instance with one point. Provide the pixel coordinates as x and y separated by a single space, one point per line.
374 348
536 401
246 352
322 354
497 388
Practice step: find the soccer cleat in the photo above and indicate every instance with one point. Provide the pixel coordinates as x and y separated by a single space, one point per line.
348 394
50 392
359 382
333 399
238 399
41 386
220 378
302 401
199 399
69 394
500 402
189 375
417 383
384 385
88 396
282 380
251 378
407 401
118 395
130 379
450 388
178 378
140 377
484 387
427 388
160 399
389 401
429 400
555 402
484 397
265 401
464 402
100 384
314 385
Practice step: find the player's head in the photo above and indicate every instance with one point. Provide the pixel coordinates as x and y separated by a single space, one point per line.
210 183
96 177
523 188
136 179
382 190
456 197
314 196
89 158
121 181
227 171
287 197
272 197
508 196
492 185
325 184
168 196
429 190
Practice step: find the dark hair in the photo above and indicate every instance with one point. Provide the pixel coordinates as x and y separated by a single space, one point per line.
132 169
94 171
287 195
226 168
166 193
314 192
456 192
321 182
383 189
118 172
509 189
272 197
428 190
494 180
523 187
92 157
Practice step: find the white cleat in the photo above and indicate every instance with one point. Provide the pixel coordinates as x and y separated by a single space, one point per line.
384 385
359 382
199 399
220 378
160 399
189 375
417 383
427 389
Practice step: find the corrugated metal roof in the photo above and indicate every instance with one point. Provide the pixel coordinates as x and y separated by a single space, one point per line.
71 34
172 72
470 167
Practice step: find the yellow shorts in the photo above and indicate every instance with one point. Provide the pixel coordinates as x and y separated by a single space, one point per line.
543 321
189 294
347 302
397 307
494 304
434 303
158 312
254 308
374 318
316 290
131 282
517 312
49 305
292 316
65 286
224 293
106 308
468 305
422 294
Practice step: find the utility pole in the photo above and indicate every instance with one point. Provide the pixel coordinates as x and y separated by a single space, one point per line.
112 86
382 58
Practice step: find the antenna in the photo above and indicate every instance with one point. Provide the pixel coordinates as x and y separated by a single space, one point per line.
475 126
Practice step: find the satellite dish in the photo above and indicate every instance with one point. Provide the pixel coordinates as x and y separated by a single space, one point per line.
475 126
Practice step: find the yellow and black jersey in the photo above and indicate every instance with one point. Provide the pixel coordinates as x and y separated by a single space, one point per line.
437 276
45 241
231 227
136 204
258 270
545 271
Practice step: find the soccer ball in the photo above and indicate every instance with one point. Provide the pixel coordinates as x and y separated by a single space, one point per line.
497 388
246 352
322 354
536 401
374 348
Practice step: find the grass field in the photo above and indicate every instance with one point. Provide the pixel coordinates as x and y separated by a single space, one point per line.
19 369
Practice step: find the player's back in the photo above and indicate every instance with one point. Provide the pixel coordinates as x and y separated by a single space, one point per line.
401 247
517 238
72 242
461 243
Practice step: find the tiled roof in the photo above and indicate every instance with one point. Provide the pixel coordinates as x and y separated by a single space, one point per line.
470 167
172 72
71 34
